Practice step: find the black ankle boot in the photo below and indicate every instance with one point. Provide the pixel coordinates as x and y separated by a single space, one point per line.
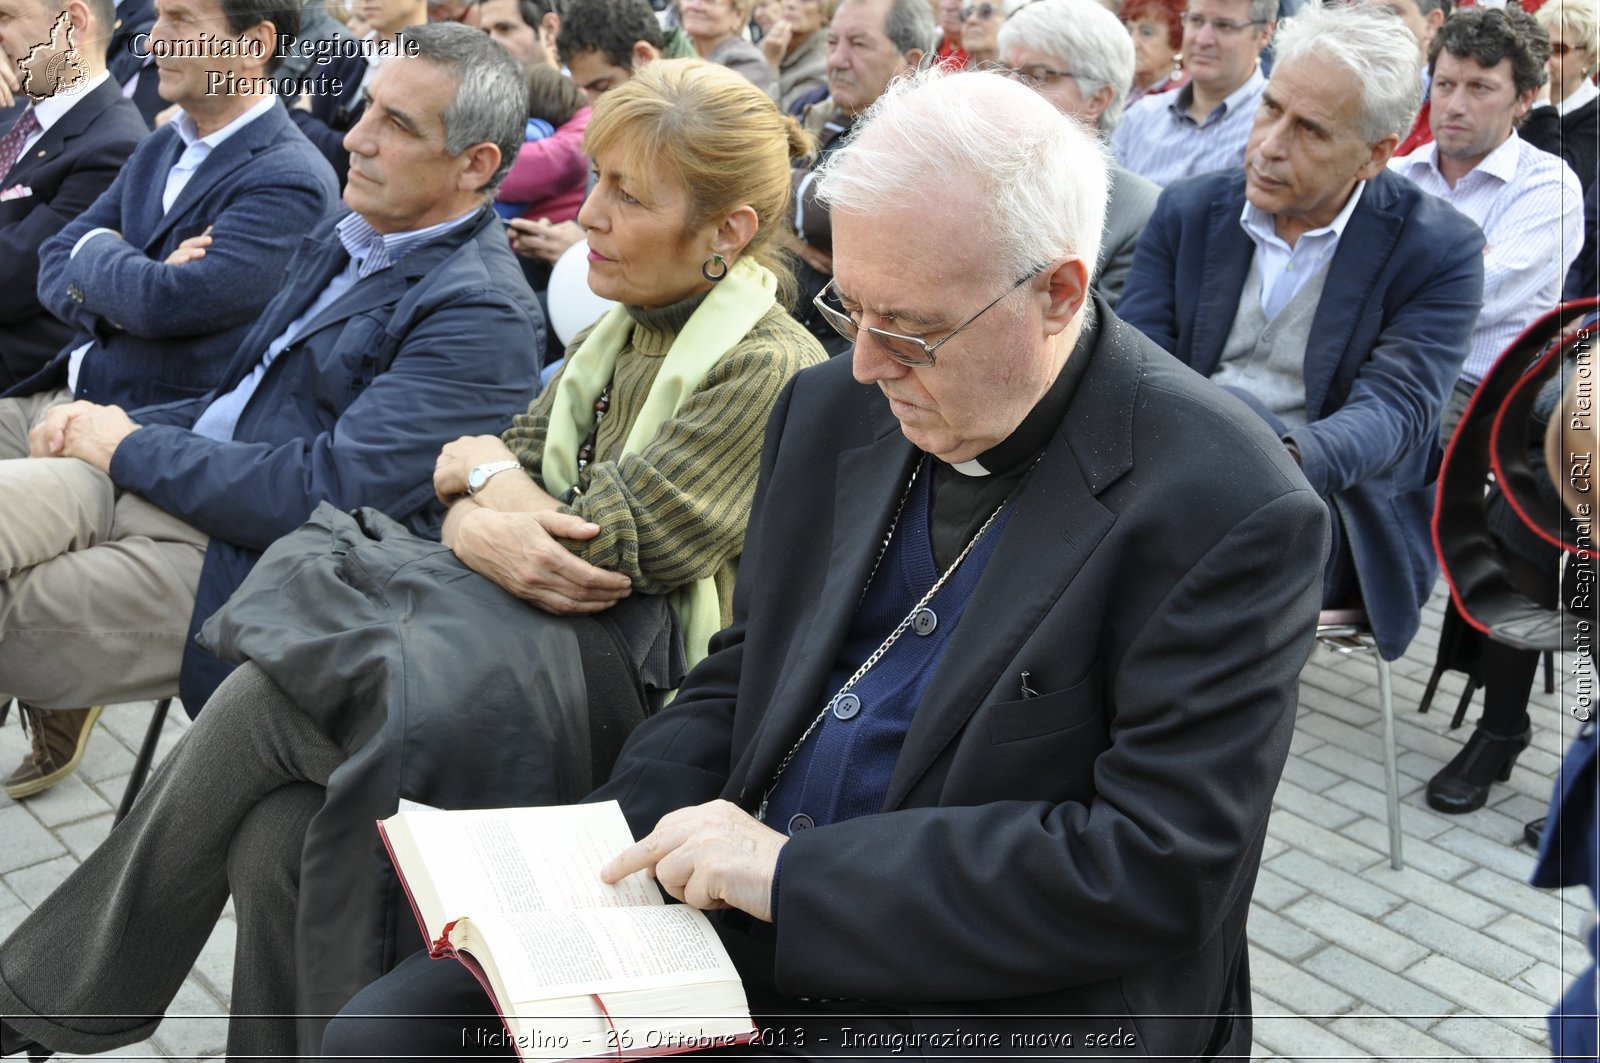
1463 784
1533 833
13 1042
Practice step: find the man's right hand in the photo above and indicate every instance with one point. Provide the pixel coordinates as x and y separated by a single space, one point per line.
775 45
519 552
191 249
10 83
537 238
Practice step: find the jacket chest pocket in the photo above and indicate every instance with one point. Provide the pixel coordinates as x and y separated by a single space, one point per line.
1049 713
362 351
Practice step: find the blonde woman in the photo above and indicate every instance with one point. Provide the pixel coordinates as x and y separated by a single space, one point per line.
1566 119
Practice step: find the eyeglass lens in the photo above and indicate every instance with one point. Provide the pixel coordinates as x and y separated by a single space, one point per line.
1222 26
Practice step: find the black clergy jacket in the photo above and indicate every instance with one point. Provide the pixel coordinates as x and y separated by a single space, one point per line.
1084 856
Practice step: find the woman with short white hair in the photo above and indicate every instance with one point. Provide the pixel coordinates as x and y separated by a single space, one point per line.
1566 120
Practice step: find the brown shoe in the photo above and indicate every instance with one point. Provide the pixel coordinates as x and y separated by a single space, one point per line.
59 738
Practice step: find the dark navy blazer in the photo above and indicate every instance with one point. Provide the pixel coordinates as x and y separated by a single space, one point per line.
60 177
167 332
1386 347
444 343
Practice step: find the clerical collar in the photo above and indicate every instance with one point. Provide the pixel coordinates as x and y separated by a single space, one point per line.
1042 421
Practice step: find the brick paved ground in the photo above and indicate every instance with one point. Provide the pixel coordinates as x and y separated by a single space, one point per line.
1453 958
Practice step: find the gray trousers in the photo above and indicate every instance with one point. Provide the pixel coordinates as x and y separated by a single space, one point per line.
97 963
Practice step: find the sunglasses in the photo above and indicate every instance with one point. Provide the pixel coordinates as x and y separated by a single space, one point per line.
984 12
1563 48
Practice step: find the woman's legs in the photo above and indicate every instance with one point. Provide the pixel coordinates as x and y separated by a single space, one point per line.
264 876
1504 729
96 964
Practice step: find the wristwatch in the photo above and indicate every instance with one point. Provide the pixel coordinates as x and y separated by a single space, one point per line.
481 474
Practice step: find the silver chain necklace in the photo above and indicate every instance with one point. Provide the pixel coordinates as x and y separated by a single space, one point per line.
883 647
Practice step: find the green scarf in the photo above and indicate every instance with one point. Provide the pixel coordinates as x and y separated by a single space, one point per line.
728 313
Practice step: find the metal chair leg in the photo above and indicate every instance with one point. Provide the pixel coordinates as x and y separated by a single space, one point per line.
141 764
1391 764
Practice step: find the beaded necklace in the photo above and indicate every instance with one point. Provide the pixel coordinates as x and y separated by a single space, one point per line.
586 451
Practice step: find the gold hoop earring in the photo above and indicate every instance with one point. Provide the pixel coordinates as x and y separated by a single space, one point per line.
722 269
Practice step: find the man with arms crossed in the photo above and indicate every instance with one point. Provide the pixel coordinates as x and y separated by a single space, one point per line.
61 154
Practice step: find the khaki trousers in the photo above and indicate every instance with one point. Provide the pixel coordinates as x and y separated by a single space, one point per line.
96 586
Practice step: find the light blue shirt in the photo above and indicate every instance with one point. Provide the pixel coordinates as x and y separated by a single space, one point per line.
1159 140
1284 270
370 251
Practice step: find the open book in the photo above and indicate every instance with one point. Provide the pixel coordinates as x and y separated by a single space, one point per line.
575 967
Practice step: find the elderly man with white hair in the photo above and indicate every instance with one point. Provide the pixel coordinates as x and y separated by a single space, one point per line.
984 762
1337 296
1079 56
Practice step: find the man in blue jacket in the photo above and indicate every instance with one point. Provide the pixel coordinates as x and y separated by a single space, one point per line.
1331 295
400 325
150 320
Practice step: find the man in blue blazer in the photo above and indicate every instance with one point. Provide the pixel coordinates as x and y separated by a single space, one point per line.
396 328
163 275
74 146
1333 297
131 65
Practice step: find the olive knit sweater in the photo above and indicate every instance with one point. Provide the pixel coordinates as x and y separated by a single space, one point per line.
676 510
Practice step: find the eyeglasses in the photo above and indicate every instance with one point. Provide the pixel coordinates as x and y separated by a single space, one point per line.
1562 48
907 350
1224 27
1033 76
1147 29
985 12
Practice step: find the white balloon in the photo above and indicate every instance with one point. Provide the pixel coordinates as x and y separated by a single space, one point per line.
573 307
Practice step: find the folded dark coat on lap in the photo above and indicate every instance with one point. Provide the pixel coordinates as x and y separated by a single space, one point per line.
409 660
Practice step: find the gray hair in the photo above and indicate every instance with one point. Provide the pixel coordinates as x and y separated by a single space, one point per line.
1264 10
909 24
1087 39
491 100
1040 177
1372 44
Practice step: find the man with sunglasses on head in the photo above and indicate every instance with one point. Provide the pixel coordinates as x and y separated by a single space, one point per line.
1204 125
983 765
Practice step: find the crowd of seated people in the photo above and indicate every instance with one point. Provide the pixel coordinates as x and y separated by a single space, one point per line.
239 325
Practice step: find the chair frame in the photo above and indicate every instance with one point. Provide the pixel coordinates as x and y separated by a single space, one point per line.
1348 631
141 763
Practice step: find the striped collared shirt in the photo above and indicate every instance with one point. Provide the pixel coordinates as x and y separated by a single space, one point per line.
1159 140
1530 207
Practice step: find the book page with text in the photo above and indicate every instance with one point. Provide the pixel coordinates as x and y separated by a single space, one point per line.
600 950
483 861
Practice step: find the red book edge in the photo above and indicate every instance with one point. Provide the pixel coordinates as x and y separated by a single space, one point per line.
442 949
